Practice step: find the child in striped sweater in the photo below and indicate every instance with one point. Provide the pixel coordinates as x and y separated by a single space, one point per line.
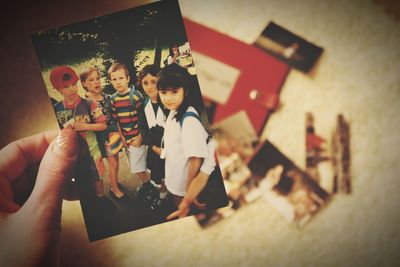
125 105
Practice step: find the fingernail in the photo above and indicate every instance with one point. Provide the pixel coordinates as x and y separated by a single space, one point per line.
65 143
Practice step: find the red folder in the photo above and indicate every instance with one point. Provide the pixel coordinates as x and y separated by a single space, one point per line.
257 88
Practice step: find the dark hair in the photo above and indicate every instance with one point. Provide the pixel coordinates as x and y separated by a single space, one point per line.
153 70
174 76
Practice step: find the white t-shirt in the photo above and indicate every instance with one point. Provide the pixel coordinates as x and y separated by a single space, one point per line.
182 143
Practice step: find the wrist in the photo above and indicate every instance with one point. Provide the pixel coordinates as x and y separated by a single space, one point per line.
187 200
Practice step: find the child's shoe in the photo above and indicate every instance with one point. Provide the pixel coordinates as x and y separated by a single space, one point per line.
143 190
158 202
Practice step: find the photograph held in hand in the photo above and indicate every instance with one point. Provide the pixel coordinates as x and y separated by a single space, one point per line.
141 115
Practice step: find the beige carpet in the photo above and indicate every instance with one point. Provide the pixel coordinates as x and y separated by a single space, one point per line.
358 75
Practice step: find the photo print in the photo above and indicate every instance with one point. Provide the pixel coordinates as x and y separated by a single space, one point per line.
126 83
289 47
328 159
255 169
236 140
291 191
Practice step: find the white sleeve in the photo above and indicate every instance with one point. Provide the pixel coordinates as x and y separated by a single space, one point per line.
194 138
170 60
209 163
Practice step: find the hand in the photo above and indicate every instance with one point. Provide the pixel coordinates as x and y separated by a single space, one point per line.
200 206
69 124
184 208
156 150
81 126
124 141
137 141
29 234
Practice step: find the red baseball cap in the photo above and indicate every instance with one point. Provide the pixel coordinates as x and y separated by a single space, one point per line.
63 76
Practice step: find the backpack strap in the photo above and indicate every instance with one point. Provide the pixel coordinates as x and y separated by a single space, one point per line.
113 96
192 114
188 114
132 93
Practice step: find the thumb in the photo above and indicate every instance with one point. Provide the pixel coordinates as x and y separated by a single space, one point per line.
57 165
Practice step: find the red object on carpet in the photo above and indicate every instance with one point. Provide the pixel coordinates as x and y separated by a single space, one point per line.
261 74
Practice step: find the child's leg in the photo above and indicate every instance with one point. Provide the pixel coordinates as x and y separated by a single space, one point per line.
157 167
163 190
137 160
113 165
99 188
99 183
94 174
100 166
143 176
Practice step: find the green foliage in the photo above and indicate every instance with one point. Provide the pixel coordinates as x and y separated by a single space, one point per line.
116 37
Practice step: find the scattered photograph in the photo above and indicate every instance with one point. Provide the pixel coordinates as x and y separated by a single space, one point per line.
341 156
293 193
254 169
126 83
328 160
236 140
319 164
289 47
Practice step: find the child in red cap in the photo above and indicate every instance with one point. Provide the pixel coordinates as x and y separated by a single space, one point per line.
80 114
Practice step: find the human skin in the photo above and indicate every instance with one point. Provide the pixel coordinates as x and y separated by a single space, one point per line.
172 99
30 233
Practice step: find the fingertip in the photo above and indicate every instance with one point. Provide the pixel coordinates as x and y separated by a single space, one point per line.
66 143
7 206
12 208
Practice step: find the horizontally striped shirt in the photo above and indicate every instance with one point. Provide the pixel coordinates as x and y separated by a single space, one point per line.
126 113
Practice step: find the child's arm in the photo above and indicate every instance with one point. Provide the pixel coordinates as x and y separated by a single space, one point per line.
82 126
137 140
143 126
122 136
194 165
194 189
194 184
156 149
98 121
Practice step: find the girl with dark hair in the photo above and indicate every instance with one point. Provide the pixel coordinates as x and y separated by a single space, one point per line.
188 152
152 118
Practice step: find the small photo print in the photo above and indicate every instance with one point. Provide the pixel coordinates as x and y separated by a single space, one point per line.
328 160
236 140
126 83
289 47
294 194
